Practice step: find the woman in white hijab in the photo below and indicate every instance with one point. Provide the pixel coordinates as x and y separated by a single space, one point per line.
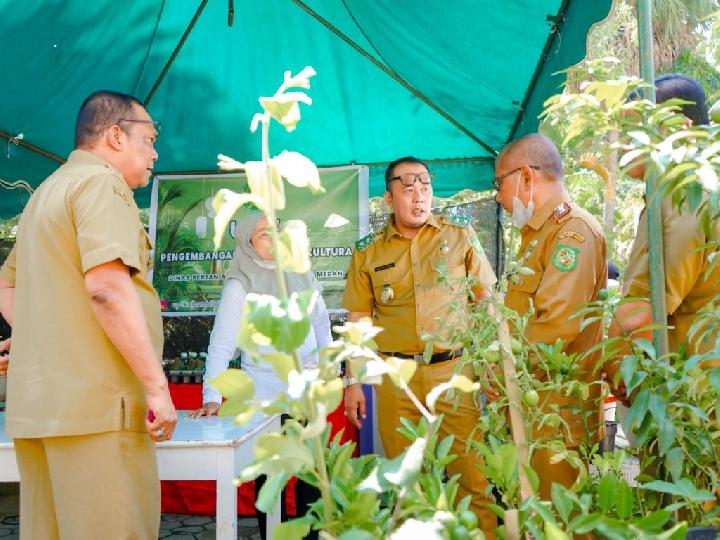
252 270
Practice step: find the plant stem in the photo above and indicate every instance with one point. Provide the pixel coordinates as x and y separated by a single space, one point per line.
272 221
324 479
427 414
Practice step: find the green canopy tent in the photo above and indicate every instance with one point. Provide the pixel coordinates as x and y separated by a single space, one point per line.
449 82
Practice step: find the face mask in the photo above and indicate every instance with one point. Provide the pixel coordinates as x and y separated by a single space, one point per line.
521 214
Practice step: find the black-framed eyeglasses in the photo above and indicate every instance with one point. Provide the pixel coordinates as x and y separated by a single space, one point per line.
498 179
409 179
155 123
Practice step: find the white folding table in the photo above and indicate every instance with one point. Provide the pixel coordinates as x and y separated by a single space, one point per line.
212 448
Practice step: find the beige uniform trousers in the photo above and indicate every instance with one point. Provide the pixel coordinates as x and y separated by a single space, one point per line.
89 487
393 403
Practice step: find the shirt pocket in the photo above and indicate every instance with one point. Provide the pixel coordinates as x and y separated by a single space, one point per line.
526 284
392 286
449 274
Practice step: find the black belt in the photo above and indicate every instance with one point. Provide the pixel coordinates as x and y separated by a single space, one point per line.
420 359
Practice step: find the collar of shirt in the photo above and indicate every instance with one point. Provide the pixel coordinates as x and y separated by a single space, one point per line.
542 214
83 157
391 231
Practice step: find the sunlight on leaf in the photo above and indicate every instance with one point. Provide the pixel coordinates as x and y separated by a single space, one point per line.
298 170
226 204
294 247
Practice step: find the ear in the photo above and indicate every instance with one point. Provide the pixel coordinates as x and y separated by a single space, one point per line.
526 177
115 137
387 196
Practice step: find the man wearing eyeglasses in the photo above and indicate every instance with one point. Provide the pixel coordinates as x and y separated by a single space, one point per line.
411 279
565 247
87 396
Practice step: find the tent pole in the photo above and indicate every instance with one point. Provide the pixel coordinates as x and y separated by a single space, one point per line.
11 139
654 207
315 15
175 52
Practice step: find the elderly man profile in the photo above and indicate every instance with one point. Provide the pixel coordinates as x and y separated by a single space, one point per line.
565 247
395 278
86 391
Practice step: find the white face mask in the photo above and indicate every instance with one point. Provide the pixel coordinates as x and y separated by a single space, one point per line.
521 214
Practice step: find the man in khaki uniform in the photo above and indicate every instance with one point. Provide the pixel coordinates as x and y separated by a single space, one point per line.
688 287
411 279
566 248
86 391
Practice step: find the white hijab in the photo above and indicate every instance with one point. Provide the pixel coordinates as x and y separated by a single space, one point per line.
258 275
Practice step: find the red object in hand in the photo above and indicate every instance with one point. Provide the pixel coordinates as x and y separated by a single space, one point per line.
151 415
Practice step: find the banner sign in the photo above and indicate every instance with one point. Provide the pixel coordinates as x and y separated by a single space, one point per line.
189 272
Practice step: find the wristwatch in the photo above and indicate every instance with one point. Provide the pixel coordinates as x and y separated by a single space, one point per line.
349 381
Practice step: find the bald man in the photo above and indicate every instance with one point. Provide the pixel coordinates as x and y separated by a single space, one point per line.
565 247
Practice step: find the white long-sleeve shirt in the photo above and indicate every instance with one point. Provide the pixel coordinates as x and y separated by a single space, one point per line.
223 345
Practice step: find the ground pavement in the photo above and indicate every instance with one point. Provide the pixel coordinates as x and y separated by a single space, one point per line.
172 526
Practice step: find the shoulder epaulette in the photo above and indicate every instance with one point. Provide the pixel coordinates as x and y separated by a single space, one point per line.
561 211
365 241
457 220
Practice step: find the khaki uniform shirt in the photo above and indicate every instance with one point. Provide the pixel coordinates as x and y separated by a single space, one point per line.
65 376
566 248
417 287
686 262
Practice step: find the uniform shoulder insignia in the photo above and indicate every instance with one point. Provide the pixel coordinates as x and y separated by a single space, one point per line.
562 211
457 220
120 193
365 241
571 234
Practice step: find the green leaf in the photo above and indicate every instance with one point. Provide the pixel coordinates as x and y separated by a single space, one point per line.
270 491
226 203
653 522
329 393
532 477
282 363
658 407
257 175
276 453
694 194
563 503
443 447
284 323
288 530
624 500
606 492
298 170
666 435
405 468
294 247
285 107
234 384
356 534
585 523
553 532
682 488
639 408
402 370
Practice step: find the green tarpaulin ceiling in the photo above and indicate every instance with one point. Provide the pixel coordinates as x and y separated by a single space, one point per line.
446 81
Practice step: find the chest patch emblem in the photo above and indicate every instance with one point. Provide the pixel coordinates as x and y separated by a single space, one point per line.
565 258
387 294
